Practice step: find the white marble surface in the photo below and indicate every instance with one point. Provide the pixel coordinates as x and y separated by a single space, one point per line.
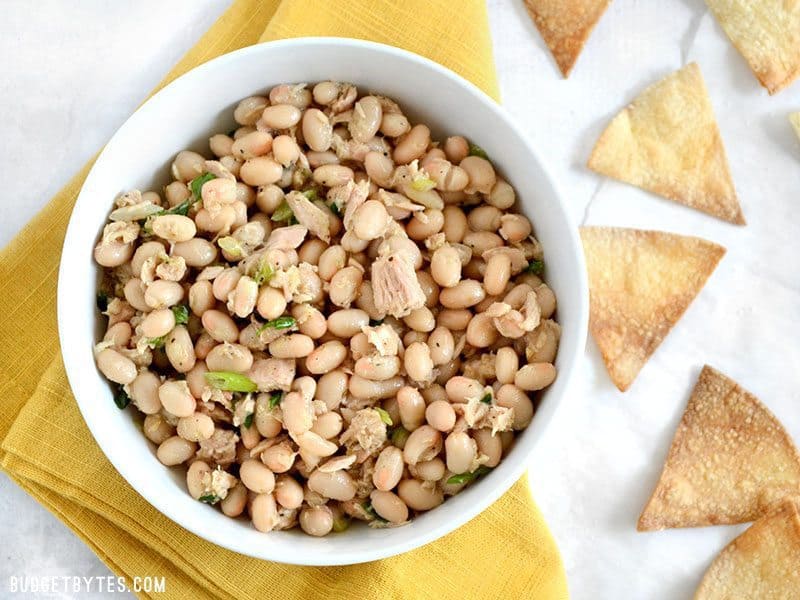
72 72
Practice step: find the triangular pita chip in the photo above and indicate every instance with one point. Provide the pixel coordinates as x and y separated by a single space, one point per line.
667 142
767 34
731 461
640 284
565 26
761 564
794 118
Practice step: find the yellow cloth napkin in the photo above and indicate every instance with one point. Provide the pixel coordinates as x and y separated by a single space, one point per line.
506 552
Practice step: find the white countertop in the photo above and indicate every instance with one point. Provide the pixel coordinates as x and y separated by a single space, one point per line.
73 72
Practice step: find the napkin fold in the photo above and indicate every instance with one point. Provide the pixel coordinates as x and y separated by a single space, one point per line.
506 552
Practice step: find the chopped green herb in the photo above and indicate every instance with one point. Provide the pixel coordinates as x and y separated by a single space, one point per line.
157 342
384 416
475 150
284 322
335 209
311 194
535 266
487 398
341 523
229 381
232 246
181 312
209 498
423 184
375 322
248 421
399 436
197 183
282 213
468 477
275 399
368 508
102 301
121 399
264 272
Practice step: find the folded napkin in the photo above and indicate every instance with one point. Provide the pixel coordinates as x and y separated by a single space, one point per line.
506 552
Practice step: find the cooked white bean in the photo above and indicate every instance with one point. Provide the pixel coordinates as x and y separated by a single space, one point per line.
158 323
229 357
119 334
264 512
440 415
333 175
466 293
389 506
368 389
288 492
175 450
442 345
234 503
506 365
446 266
424 443
328 425
162 294
337 485
370 220
498 273
461 452
344 286
293 345
197 252
411 405
377 367
460 389
489 445
388 468
428 470
179 349
348 322
281 116
535 376
326 357
176 398
412 145
220 326
481 332
510 396
257 477
175 228
115 366
156 429
331 388
418 496
316 520
418 363
144 392
195 427
201 297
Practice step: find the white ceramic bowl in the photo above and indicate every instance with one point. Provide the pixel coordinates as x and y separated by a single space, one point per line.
200 103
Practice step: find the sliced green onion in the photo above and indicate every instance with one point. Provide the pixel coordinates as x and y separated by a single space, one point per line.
340 524
181 312
368 508
275 399
384 416
311 194
423 184
197 184
282 213
157 342
335 209
232 246
209 498
264 272
375 322
468 477
475 150
536 267
399 436
228 381
248 421
487 398
284 322
121 399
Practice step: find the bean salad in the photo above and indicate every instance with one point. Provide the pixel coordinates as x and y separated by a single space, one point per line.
330 317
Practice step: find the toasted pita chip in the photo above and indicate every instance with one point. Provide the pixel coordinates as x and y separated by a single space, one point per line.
767 34
640 284
565 26
667 142
794 119
731 461
761 564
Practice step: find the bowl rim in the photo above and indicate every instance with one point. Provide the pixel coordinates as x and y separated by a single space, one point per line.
501 482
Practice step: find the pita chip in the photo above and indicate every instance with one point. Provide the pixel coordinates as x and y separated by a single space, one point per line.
565 26
794 119
731 461
761 564
640 284
767 34
667 142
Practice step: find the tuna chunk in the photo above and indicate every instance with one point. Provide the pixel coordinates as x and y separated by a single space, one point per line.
273 374
351 195
384 338
310 215
395 285
367 431
220 448
286 238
